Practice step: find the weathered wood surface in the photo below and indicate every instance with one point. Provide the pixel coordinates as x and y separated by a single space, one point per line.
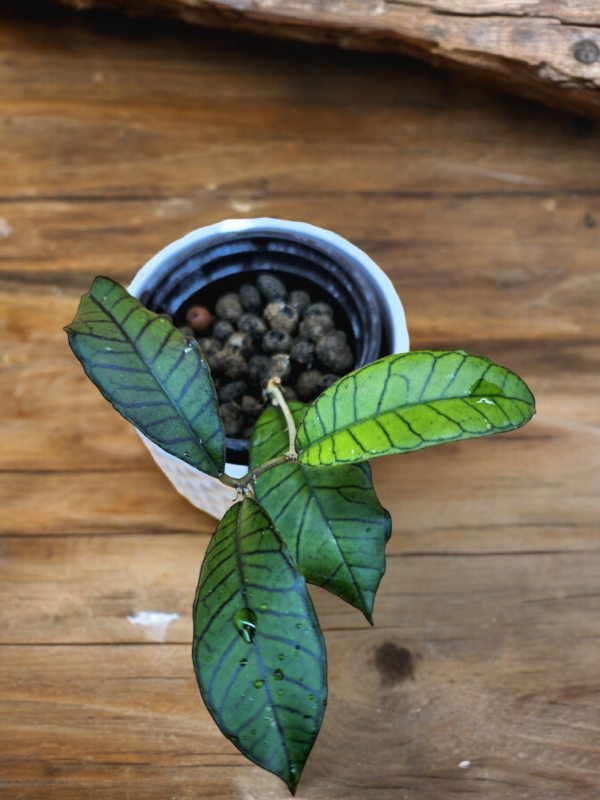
117 138
548 49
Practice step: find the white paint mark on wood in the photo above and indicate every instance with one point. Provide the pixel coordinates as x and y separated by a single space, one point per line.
5 228
156 623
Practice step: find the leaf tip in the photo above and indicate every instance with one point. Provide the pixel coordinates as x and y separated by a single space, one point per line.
295 771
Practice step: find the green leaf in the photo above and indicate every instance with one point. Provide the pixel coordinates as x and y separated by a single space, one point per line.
409 401
258 650
151 373
331 518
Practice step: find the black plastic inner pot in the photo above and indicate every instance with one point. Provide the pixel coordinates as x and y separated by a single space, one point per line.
203 277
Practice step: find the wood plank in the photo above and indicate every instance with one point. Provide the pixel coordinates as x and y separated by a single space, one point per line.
82 588
371 126
115 139
432 497
549 51
534 258
478 656
73 734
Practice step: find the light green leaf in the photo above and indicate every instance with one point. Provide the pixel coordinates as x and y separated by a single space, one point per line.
409 401
258 650
331 518
151 373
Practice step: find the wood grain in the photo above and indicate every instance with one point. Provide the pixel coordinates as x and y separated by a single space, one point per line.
548 50
118 137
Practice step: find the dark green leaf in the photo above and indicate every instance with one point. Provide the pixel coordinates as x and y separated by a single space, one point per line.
258 650
331 518
151 373
410 401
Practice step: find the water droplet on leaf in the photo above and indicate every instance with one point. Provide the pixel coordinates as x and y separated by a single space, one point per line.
263 606
258 684
281 657
243 662
278 675
245 623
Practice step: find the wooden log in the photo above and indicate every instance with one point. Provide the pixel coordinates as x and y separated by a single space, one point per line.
548 50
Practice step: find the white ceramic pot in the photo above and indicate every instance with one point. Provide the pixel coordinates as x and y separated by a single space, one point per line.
205 492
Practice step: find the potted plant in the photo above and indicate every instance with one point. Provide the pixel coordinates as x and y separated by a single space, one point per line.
221 258
306 510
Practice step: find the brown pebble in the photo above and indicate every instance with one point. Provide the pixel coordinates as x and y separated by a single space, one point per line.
303 351
240 343
271 287
309 384
186 330
250 298
319 310
281 316
280 366
232 365
277 342
229 307
328 379
236 365
199 318
231 391
251 406
222 330
300 300
258 368
288 393
216 361
209 346
252 325
232 418
334 353
315 328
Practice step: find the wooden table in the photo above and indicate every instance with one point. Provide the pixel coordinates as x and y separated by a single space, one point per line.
118 137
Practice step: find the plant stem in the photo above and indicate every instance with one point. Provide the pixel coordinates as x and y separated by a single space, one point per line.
242 484
275 394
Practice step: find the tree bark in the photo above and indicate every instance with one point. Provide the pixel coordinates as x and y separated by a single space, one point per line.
545 49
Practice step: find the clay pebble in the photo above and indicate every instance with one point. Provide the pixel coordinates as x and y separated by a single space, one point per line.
232 418
335 353
281 316
271 287
309 384
222 330
300 300
276 342
314 328
199 318
250 298
229 307
231 391
252 325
